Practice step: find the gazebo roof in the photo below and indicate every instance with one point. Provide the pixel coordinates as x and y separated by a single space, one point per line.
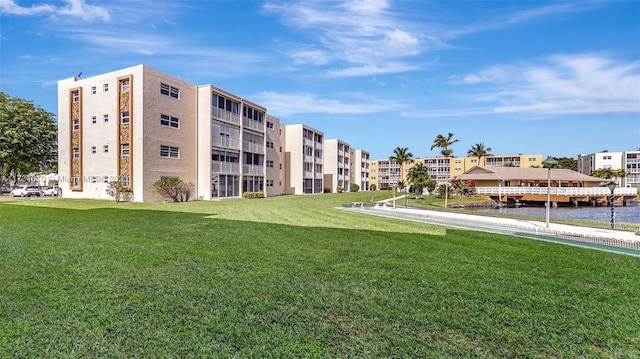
496 173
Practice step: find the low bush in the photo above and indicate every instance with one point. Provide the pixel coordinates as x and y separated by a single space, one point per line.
252 195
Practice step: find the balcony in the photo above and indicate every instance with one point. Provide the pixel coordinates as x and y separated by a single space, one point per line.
225 167
254 125
225 115
252 170
252 147
318 175
227 142
308 158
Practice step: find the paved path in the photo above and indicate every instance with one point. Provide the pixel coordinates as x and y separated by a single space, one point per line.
623 241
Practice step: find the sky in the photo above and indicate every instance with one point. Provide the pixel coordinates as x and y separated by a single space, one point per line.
555 78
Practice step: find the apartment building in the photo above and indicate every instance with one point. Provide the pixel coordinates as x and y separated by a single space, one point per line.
337 165
139 125
628 160
275 172
442 169
360 169
135 124
303 159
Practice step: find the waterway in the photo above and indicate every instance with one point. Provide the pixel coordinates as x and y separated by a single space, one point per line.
630 214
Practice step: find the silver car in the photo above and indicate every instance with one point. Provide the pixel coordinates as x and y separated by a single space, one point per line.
26 191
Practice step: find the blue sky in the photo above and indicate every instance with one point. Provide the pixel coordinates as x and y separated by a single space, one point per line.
534 77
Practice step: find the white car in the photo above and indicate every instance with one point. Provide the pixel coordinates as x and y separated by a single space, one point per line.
50 191
26 191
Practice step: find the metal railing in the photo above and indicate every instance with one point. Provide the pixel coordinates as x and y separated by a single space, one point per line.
225 115
558 191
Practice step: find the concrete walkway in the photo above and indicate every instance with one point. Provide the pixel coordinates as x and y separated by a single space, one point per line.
605 239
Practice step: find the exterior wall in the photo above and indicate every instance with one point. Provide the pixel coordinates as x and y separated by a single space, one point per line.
629 160
337 165
274 174
304 167
360 169
149 134
387 173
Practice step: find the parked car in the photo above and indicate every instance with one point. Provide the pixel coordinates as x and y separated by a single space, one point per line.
50 191
5 190
26 191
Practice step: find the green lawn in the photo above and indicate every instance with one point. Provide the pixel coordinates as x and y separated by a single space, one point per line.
293 277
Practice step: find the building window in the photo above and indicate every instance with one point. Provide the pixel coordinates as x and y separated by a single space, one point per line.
124 86
168 151
94 119
280 165
93 90
76 181
169 91
76 125
93 150
124 117
105 87
270 163
270 125
106 117
76 96
76 153
169 121
105 148
124 149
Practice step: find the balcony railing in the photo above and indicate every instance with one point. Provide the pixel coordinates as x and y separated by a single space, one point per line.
253 147
225 115
226 142
252 170
558 191
225 167
254 125
318 175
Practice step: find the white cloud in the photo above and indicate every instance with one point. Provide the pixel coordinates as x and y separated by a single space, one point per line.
561 84
73 8
284 104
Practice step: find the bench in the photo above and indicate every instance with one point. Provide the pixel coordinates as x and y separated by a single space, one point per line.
357 204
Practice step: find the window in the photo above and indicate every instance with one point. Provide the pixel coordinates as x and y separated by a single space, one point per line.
269 144
168 151
169 121
76 96
105 148
124 86
93 150
106 117
124 149
105 87
76 153
124 117
269 163
76 125
270 125
93 90
94 119
169 91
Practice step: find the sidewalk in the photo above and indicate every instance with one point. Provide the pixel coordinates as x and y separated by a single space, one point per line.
568 234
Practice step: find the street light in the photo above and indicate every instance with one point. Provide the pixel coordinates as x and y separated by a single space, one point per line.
612 187
549 162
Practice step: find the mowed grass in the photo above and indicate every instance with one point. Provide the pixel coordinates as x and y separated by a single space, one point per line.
293 277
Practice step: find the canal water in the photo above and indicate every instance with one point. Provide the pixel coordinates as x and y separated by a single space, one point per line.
629 214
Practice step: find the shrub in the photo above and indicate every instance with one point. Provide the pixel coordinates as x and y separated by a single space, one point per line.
252 195
354 187
119 191
174 189
339 189
326 190
373 187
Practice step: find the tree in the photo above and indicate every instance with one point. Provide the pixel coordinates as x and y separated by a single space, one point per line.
608 173
478 150
28 138
568 163
174 189
402 155
418 176
354 187
444 143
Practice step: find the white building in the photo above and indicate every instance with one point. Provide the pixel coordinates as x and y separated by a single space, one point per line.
628 160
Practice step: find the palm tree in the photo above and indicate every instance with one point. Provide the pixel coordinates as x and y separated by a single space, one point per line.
402 155
443 143
478 150
418 176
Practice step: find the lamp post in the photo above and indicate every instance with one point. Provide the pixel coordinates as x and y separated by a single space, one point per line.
549 162
612 187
